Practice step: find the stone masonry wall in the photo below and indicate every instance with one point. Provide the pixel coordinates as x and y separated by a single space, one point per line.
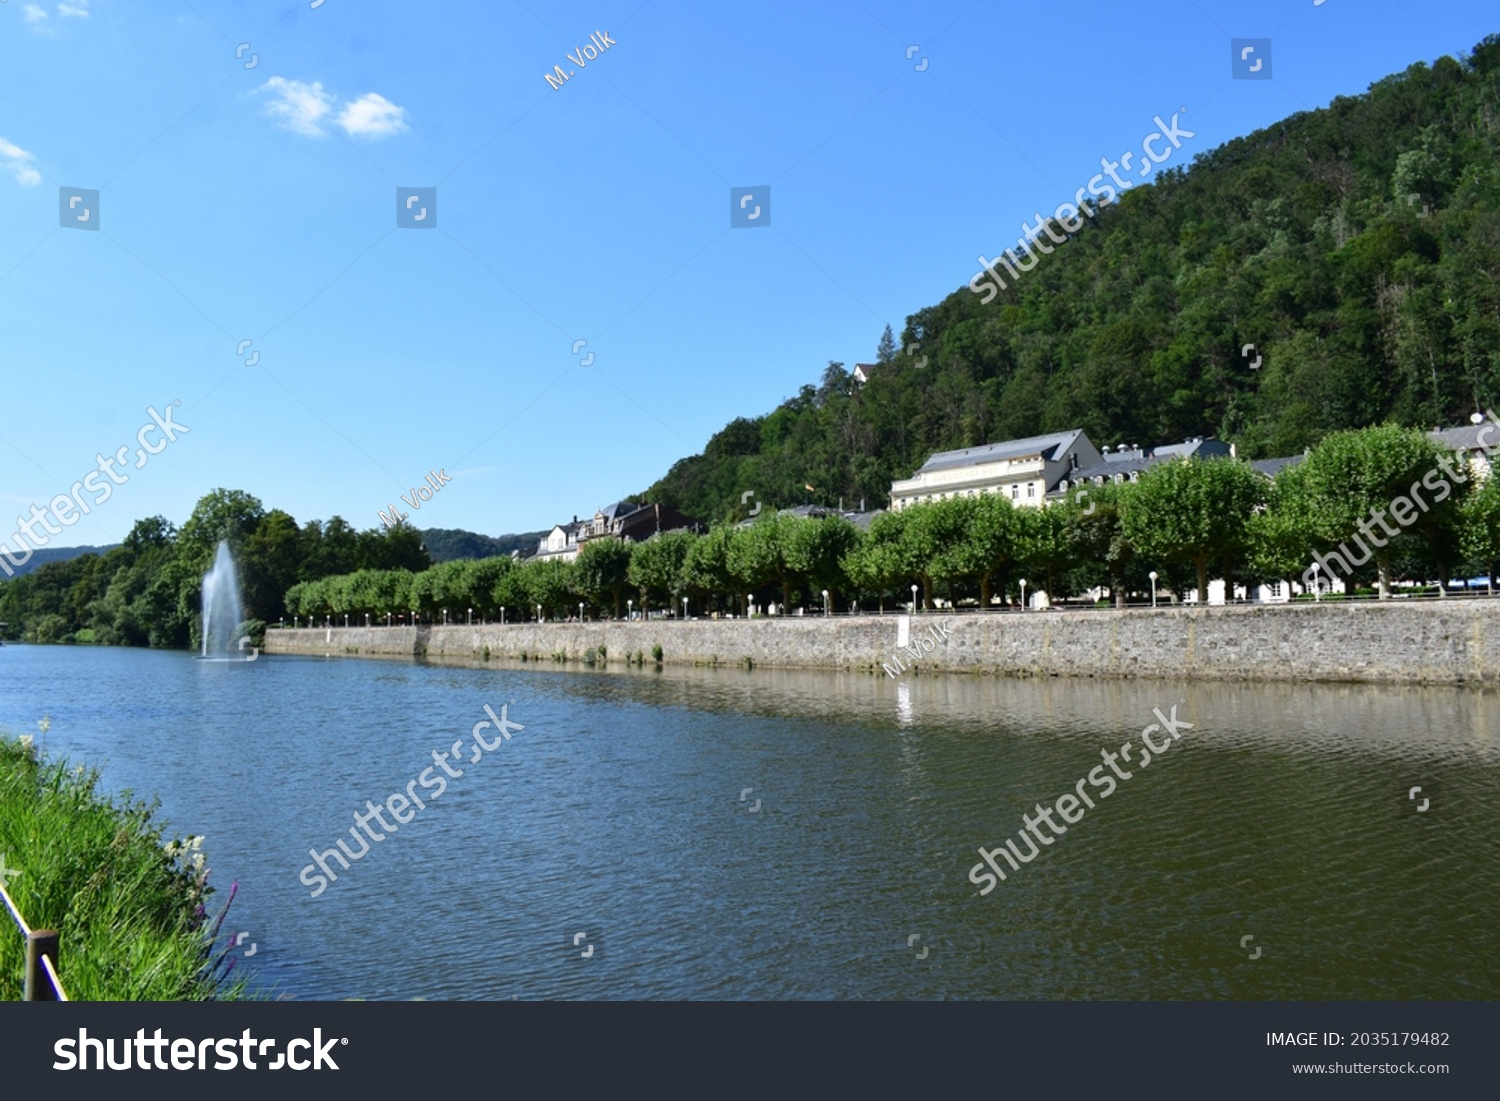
1397 641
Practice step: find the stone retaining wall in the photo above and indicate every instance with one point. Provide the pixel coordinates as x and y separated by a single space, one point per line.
1397 641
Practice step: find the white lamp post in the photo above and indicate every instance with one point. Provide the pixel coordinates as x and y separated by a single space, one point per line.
630 609
346 619
914 599
502 615
684 607
749 605
387 619
367 619
1317 582
538 613
1023 594
471 617
580 611
825 602
1152 575
296 622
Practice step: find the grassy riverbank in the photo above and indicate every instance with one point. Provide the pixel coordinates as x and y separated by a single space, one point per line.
131 910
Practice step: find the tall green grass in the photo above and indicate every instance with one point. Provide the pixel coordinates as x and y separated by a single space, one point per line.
131 910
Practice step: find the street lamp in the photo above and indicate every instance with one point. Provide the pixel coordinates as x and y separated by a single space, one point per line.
1317 582
471 617
749 605
367 619
580 611
445 617
296 622
1023 594
346 619
629 609
684 607
1152 575
825 602
502 615
914 598
538 613
387 619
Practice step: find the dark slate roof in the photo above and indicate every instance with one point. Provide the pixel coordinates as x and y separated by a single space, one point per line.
1129 462
1466 437
618 509
1048 447
1200 448
1112 466
1272 467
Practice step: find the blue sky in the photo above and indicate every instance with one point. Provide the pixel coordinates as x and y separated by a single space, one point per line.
260 204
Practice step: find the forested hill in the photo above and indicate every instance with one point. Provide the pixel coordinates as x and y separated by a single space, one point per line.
447 544
1357 247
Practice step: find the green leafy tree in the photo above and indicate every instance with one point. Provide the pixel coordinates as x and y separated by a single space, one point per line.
603 568
1352 479
1195 510
656 564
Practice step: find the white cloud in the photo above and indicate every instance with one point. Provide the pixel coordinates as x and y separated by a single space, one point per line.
34 14
78 9
298 106
19 162
372 116
307 109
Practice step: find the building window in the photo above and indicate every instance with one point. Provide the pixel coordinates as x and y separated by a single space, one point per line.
1276 588
1031 489
1015 492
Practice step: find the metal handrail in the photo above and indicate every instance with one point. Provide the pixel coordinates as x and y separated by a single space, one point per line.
40 945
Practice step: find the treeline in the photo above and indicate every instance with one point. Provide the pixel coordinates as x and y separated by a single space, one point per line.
1357 247
1188 521
148 590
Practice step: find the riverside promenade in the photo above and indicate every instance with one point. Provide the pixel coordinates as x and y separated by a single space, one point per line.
1454 641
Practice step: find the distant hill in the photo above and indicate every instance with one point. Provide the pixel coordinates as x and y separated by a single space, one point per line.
1336 269
55 554
446 544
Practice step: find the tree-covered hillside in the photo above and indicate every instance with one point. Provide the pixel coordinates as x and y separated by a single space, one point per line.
448 544
1357 247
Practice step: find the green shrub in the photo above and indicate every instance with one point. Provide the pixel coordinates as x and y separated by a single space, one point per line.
656 653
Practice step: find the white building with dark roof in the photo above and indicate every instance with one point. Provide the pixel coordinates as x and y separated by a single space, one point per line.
1024 471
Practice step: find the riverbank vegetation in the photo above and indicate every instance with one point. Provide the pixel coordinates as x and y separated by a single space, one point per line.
148 590
131 911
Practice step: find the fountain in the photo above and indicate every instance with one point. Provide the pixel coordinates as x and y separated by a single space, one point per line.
221 606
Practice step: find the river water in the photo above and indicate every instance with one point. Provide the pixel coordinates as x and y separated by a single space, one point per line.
698 833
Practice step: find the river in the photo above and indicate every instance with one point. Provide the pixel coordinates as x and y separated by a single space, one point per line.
727 834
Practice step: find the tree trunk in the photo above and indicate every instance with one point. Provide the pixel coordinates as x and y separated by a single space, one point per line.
1202 565
1383 561
984 589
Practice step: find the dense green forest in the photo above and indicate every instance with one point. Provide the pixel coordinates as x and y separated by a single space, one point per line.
1357 247
148 590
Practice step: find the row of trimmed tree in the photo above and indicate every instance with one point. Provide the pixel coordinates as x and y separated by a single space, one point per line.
1188 521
